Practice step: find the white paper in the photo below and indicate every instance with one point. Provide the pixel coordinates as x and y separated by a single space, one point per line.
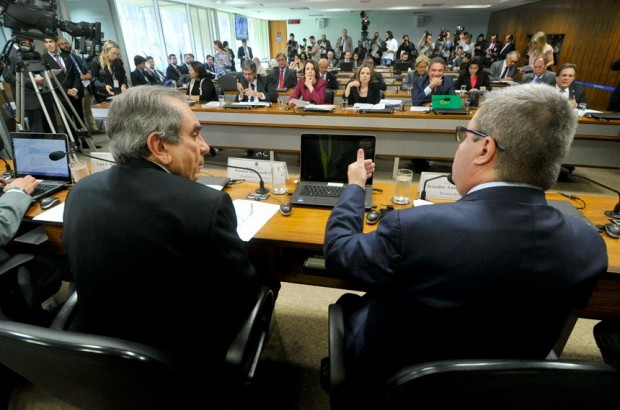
211 104
319 107
420 109
391 102
252 216
51 215
248 104
104 160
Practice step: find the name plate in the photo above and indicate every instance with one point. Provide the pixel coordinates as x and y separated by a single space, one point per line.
103 161
438 188
262 166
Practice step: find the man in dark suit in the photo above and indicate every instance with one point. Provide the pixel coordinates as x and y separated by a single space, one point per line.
244 52
254 87
139 76
158 77
492 275
540 75
505 69
173 71
68 76
329 76
435 83
282 76
565 84
157 220
509 45
210 66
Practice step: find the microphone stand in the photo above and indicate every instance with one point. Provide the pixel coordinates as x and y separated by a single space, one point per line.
261 190
615 213
423 193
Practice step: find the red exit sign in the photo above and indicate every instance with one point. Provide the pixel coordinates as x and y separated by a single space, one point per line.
294 21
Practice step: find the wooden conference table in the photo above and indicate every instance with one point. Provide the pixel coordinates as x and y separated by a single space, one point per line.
400 134
284 242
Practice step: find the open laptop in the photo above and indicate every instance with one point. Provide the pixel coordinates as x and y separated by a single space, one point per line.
403 67
31 156
605 115
447 104
344 66
324 160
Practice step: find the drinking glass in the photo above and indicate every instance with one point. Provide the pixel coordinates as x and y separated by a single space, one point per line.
79 170
280 103
345 104
581 109
402 186
222 100
278 178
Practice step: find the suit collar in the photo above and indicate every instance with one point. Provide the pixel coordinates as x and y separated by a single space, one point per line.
509 193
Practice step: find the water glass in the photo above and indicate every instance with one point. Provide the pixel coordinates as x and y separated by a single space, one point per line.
278 178
345 104
222 100
79 170
463 89
402 186
581 109
280 103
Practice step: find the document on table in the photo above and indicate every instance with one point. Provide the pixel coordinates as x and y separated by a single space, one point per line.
51 215
420 109
252 216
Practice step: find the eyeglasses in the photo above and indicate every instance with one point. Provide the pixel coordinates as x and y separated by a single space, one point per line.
461 135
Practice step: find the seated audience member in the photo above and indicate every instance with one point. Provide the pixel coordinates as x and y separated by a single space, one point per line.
509 45
282 76
434 83
421 70
311 86
506 69
150 69
173 71
152 219
565 84
210 66
260 70
368 60
329 76
363 88
404 58
475 78
357 61
200 83
457 60
427 298
296 64
253 87
347 58
139 76
614 99
540 75
331 59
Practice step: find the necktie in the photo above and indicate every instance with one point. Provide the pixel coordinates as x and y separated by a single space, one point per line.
57 58
252 97
504 73
537 80
75 63
281 85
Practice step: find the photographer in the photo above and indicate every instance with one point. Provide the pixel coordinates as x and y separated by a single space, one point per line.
407 46
324 46
426 44
291 47
375 48
443 45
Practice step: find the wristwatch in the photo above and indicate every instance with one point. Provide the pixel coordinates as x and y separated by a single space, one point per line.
16 188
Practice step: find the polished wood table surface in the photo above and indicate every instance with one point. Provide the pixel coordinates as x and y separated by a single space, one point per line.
286 241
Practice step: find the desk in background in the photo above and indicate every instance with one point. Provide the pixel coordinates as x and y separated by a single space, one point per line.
286 241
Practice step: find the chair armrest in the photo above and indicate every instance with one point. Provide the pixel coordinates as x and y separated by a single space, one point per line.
245 350
337 349
15 261
64 317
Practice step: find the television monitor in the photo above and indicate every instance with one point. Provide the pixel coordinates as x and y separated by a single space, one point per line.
241 27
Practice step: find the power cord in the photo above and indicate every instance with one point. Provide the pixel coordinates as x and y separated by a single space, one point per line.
574 198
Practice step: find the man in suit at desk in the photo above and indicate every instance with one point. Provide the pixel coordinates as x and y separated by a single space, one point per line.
253 87
433 84
282 76
328 76
565 84
540 74
505 70
153 219
492 275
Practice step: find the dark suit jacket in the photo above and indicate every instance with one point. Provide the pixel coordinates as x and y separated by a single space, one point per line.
578 92
70 78
264 85
420 98
547 78
290 77
373 97
210 70
496 70
241 54
172 74
332 80
493 275
204 88
506 48
139 77
152 224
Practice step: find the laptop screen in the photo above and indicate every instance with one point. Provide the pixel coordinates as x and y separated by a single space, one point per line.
346 66
31 152
326 157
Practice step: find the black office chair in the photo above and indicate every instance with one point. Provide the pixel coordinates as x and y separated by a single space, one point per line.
228 82
97 372
607 337
479 384
18 294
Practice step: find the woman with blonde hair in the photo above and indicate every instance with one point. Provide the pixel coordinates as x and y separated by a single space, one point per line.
363 88
421 69
538 47
109 76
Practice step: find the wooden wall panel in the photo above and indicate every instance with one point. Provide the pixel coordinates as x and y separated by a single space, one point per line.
277 31
592 37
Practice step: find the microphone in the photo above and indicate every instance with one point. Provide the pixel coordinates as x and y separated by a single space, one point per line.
615 213
56 155
261 190
423 193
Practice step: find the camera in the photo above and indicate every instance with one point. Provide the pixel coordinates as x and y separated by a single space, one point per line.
459 30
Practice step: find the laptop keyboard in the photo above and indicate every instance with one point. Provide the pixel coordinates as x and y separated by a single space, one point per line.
321 190
41 188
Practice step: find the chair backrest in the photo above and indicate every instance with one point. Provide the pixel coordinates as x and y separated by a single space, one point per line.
329 96
228 82
98 372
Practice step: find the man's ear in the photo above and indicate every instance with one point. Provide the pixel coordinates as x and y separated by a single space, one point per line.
487 152
159 149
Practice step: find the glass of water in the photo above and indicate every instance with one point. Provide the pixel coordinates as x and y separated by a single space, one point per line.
463 89
222 100
581 109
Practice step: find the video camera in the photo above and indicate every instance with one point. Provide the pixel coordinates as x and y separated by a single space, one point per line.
29 19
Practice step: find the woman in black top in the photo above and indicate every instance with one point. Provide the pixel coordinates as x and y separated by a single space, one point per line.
474 77
201 83
109 76
364 87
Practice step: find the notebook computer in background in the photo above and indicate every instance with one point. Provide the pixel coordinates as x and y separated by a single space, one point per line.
403 67
31 156
605 115
346 66
447 104
324 161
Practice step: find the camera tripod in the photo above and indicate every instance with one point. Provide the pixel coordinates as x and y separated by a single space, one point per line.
363 45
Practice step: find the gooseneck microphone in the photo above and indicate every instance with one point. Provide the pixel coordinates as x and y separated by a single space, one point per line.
423 193
56 155
615 213
261 190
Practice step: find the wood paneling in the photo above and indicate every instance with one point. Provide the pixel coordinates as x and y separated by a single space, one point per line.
592 37
277 31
